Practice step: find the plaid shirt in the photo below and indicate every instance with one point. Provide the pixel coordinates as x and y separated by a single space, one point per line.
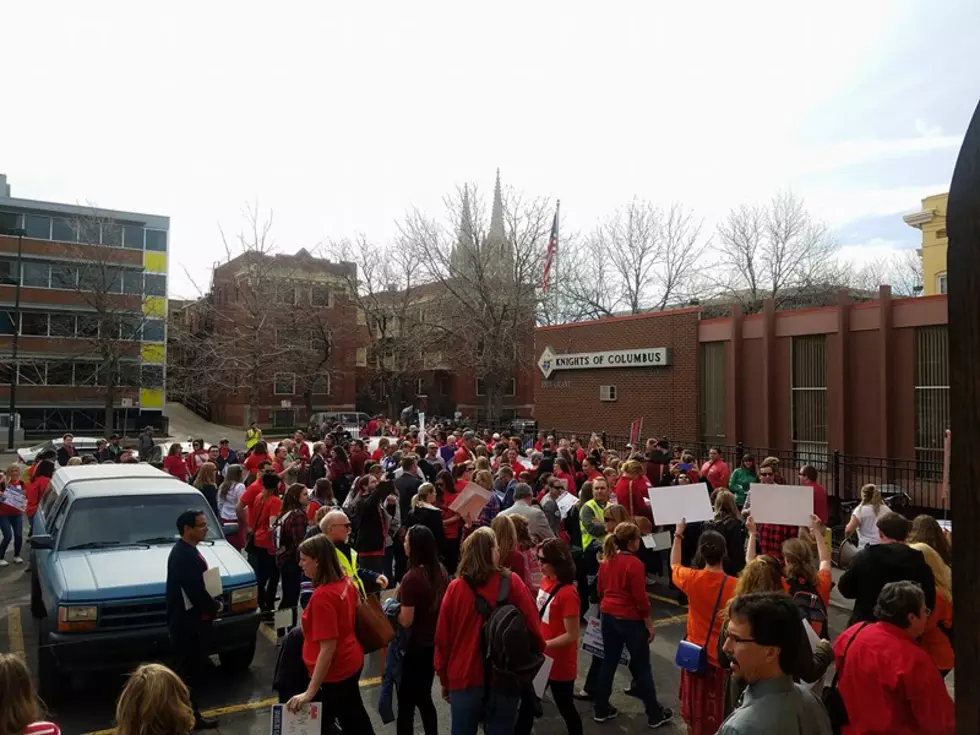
771 537
292 531
489 512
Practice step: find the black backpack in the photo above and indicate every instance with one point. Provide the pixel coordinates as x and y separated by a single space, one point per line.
808 602
510 653
291 676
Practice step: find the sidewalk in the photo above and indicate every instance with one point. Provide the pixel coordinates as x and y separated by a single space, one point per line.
836 599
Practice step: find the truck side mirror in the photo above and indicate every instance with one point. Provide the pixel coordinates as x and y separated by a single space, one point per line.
42 541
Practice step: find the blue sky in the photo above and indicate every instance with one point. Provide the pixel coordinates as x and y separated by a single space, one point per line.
340 117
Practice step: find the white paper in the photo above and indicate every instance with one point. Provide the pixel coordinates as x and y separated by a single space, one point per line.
786 505
565 502
660 540
285 619
674 503
15 498
946 525
304 722
470 501
592 641
541 678
422 430
212 581
187 600
811 635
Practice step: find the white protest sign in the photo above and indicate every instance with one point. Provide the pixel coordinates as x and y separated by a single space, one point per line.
592 641
785 505
660 540
421 429
565 502
470 501
212 581
305 722
541 678
14 496
674 503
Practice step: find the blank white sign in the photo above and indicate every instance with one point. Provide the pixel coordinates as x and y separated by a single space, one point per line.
787 505
676 502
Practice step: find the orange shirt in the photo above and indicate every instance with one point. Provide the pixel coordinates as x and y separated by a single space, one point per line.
701 587
935 642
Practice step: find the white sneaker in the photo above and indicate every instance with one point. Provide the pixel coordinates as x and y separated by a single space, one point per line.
4 563
18 560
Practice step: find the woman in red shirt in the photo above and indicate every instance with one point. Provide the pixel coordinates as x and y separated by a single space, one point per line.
37 487
174 462
507 549
632 488
21 710
259 454
331 651
626 622
458 655
563 472
448 487
262 555
558 606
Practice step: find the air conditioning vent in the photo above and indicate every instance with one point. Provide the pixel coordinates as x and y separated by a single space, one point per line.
607 392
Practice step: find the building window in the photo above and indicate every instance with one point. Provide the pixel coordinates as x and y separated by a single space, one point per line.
112 234
809 399
59 373
510 387
931 399
607 392
65 230
711 379
153 330
320 385
419 387
6 373
132 282
36 274
88 326
37 227
86 373
285 293
34 325
481 388
282 418
130 327
443 386
156 240
31 373
155 284
320 340
132 237
941 283
321 296
152 376
62 325
360 359
8 272
285 384
64 277
7 322
508 414
129 375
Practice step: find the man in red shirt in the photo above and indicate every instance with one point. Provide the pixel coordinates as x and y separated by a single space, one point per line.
888 683
808 476
464 451
358 456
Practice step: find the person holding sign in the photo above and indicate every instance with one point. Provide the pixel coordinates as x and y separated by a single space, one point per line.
626 622
13 502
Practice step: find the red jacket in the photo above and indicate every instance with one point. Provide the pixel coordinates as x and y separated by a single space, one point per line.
820 508
637 489
622 588
458 658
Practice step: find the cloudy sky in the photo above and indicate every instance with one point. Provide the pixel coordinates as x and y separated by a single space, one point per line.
341 116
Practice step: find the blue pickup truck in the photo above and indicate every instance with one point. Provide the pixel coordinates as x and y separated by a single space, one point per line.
101 540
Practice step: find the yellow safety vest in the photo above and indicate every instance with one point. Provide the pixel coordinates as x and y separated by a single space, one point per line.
252 437
350 569
599 515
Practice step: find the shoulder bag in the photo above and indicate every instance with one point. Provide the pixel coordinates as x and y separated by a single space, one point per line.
692 657
371 626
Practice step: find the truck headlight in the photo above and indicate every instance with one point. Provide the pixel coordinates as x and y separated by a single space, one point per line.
77 617
244 599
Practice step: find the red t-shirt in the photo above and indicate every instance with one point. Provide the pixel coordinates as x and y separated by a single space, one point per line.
248 497
635 489
622 588
570 479
565 604
462 456
452 530
35 491
515 562
176 466
253 461
377 454
329 615
820 508
261 511
458 658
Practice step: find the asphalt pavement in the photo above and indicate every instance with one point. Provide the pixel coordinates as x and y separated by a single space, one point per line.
241 703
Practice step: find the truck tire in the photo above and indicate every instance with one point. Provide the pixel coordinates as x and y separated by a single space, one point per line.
238 659
51 680
37 601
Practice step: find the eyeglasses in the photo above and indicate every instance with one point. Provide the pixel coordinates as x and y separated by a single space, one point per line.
736 639
345 525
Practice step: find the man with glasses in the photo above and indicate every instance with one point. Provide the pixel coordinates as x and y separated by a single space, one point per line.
763 643
770 535
336 527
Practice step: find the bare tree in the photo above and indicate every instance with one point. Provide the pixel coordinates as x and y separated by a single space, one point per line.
902 270
775 251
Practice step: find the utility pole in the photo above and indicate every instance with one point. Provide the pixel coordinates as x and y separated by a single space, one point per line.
963 267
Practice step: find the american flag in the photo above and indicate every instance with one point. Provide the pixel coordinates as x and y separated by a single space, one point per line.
552 251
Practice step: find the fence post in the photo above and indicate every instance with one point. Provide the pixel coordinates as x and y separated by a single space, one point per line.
836 469
603 438
554 433
739 453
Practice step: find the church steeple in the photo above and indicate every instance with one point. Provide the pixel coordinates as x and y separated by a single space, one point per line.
497 233
463 251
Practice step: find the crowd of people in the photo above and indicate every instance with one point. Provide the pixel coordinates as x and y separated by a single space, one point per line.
483 600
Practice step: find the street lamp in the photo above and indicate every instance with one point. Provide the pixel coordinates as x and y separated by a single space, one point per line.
19 232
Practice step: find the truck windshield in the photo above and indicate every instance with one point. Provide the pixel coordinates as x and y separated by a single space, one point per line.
130 519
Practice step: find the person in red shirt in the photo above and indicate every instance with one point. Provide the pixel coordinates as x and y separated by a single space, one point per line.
378 454
590 469
558 606
626 622
632 489
332 654
259 454
888 683
539 444
302 448
563 472
358 456
263 511
808 476
36 488
576 448
715 470
464 449
174 462
197 457
458 654
446 493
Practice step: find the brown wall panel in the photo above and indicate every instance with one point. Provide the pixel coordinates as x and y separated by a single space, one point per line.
864 396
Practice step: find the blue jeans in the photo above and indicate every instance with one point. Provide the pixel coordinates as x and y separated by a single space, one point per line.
11 526
632 634
468 710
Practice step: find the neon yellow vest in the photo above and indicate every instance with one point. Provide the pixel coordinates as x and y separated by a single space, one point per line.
599 515
252 437
350 569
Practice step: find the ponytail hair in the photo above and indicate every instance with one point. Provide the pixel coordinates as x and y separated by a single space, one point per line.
426 489
620 539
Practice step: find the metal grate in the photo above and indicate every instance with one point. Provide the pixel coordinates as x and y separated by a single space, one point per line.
133 615
809 398
711 379
931 399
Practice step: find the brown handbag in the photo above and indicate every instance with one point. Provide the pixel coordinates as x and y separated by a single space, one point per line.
372 627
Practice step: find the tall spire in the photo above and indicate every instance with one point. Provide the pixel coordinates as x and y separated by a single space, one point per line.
497 233
462 251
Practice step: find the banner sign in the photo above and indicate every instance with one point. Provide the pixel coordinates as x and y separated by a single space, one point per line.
635 428
550 361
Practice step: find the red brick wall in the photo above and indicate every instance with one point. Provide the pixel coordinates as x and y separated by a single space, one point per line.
666 398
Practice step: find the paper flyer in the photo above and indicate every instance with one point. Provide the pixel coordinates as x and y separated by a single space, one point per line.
470 501
305 722
592 641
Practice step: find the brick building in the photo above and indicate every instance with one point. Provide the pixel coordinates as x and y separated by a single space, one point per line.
91 320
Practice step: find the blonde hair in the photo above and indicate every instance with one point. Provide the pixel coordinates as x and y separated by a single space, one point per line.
74 461
799 561
871 495
616 512
482 463
207 475
476 564
503 529
154 702
762 574
426 491
13 469
483 478
940 572
620 539
321 514
725 505
20 706
632 467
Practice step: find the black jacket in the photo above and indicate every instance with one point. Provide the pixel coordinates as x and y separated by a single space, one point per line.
407 486
318 468
734 532
431 518
367 519
874 567
185 576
